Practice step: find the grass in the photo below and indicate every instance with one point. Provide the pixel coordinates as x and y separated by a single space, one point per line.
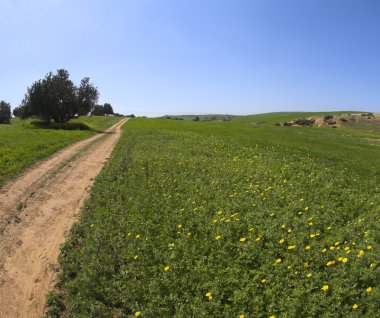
229 220
22 144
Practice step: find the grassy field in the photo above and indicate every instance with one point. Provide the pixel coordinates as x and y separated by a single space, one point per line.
229 219
21 144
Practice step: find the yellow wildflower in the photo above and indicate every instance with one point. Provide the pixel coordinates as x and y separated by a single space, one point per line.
242 239
292 247
138 236
263 280
361 253
137 313
209 296
369 289
307 248
278 261
330 263
325 288
166 268
281 241
218 237
369 247
354 306
309 275
345 260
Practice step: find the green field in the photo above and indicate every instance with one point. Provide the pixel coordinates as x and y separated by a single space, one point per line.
229 219
21 144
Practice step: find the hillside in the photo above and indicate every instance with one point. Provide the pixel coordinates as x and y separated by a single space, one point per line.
229 219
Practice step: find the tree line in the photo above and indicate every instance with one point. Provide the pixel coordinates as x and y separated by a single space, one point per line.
57 98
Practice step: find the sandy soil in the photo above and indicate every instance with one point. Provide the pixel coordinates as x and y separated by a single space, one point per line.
36 210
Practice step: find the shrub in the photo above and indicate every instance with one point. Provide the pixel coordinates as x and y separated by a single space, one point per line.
62 126
305 122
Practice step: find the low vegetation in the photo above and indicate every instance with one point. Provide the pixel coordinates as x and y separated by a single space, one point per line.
229 219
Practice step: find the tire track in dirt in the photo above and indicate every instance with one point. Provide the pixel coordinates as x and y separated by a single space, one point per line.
36 210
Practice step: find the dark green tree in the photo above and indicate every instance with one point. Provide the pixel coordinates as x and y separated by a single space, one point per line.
56 97
108 109
102 110
87 97
5 112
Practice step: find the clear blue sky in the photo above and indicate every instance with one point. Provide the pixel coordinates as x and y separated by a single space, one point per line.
155 57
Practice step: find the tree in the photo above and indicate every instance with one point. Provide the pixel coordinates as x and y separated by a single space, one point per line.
56 97
108 109
102 110
87 97
5 112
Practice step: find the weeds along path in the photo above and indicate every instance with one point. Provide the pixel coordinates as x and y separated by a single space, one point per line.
35 211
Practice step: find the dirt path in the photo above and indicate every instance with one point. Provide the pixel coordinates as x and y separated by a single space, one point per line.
35 211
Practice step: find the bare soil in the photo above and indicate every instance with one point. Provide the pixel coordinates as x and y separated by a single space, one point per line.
36 210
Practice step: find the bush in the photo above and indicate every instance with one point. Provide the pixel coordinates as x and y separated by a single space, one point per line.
305 122
277 124
62 126
287 124
343 120
5 112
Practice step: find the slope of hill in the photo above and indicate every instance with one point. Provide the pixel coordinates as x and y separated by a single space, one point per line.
229 219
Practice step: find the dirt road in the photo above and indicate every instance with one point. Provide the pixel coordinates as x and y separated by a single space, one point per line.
36 210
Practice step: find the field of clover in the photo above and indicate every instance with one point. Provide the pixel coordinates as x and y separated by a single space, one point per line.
217 220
